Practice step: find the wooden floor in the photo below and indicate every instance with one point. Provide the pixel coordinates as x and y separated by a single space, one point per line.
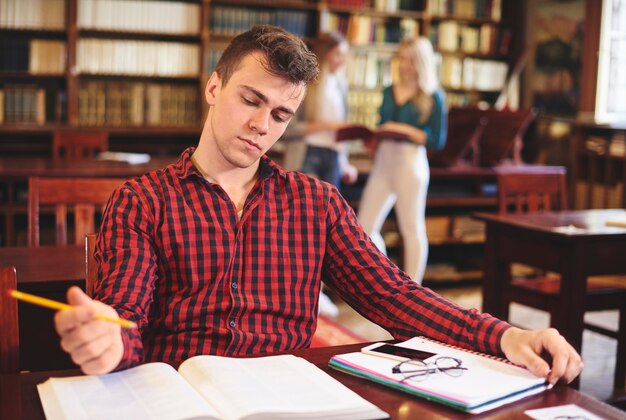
598 351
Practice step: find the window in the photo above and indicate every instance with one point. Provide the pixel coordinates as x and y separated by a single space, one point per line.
611 88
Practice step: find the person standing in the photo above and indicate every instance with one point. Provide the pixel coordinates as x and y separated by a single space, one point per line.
413 106
326 111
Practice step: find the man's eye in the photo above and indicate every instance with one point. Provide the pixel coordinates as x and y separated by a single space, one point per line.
280 118
248 101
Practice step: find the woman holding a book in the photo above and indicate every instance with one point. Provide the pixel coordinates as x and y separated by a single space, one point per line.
326 111
413 109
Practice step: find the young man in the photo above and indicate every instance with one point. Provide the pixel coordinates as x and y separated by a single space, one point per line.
224 253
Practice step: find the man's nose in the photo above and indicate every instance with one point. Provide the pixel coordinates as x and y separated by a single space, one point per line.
260 121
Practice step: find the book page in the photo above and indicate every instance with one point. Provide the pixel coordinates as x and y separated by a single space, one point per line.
274 387
153 391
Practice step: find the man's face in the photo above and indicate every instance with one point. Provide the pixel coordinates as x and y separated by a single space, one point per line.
250 113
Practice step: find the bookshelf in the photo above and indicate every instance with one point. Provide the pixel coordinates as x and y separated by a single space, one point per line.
137 67
473 40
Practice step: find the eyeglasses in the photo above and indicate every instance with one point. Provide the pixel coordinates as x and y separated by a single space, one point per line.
417 370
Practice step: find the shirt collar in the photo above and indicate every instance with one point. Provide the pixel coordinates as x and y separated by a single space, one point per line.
185 167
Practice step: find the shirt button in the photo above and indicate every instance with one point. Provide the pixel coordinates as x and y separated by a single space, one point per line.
232 324
234 285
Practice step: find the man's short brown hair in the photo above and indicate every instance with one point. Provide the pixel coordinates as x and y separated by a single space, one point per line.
287 56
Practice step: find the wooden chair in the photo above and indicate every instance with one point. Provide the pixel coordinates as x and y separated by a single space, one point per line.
91 268
531 192
464 131
9 326
72 144
84 195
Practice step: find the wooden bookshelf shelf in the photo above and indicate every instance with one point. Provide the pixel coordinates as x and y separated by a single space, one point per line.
94 33
78 21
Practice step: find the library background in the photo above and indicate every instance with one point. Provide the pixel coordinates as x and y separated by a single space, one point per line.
537 83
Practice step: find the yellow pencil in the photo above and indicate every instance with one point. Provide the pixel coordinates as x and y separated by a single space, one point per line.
53 304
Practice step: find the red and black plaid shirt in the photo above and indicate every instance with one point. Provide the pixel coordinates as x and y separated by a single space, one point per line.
175 258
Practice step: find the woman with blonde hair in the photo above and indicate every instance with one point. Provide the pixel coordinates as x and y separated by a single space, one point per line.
414 107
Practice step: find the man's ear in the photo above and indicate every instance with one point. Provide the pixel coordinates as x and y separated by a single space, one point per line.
212 88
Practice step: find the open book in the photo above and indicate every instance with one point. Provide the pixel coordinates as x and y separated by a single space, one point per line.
486 382
366 134
207 387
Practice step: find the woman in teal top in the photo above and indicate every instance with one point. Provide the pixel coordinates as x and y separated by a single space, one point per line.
414 109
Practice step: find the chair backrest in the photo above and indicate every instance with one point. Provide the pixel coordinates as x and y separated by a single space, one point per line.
464 130
9 326
530 192
84 195
91 269
79 144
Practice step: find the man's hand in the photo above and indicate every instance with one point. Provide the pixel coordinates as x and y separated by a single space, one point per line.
95 345
525 348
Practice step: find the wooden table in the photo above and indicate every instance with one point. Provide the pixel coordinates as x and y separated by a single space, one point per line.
19 398
46 271
23 167
583 246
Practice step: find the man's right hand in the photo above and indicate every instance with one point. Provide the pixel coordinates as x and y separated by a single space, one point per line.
94 345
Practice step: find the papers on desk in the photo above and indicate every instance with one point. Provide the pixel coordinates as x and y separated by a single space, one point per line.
569 229
132 158
487 383
207 387
569 411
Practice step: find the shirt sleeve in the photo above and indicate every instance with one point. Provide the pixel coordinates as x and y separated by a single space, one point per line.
127 267
437 124
369 282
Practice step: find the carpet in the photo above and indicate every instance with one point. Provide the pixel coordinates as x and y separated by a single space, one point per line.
331 333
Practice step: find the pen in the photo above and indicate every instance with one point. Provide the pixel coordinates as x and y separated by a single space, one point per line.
53 304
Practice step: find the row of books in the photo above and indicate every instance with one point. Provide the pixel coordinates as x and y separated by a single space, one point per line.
137 104
392 6
171 17
32 14
23 104
348 3
212 57
597 195
37 56
233 20
366 30
132 57
491 9
472 74
455 37
369 69
363 107
461 99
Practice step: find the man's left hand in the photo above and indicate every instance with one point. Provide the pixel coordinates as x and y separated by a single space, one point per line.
525 347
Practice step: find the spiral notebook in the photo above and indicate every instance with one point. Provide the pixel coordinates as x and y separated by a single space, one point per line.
475 391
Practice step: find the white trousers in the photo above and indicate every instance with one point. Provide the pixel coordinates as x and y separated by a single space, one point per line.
400 175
